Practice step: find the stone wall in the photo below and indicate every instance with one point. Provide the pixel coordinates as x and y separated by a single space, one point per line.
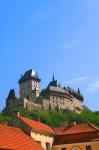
29 89
31 105
63 103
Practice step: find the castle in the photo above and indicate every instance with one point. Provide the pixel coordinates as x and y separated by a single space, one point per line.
53 97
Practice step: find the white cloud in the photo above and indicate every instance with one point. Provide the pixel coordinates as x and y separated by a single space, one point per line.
80 79
94 86
70 45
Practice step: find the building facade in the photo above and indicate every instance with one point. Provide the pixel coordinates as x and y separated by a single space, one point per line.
61 98
53 97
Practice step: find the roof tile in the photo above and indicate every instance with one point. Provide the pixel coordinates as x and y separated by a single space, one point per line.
75 128
15 138
37 125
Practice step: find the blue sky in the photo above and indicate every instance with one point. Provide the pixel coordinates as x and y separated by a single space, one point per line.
50 36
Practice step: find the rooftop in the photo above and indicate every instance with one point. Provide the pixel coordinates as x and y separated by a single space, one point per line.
58 89
76 128
30 74
76 133
15 138
38 126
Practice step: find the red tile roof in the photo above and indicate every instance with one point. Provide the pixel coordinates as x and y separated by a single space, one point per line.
75 128
38 126
76 133
16 139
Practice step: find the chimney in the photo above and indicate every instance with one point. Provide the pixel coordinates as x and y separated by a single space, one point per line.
17 113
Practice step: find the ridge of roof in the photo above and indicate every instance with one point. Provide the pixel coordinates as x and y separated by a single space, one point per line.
37 126
75 129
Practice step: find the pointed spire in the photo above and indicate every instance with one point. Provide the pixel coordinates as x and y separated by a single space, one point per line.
53 78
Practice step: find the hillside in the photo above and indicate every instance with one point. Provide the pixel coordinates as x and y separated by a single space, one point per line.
56 118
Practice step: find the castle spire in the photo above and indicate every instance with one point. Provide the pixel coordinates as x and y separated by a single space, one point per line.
53 78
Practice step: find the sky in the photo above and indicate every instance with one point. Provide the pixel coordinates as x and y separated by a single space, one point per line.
50 36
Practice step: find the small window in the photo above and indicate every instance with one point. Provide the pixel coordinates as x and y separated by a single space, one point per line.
47 146
63 148
88 147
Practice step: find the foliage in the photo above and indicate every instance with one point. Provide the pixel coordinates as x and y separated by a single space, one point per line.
56 118
5 119
51 117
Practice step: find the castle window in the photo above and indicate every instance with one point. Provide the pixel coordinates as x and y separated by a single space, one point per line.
53 97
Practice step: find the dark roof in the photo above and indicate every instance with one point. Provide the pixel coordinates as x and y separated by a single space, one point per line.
57 89
53 83
75 93
29 75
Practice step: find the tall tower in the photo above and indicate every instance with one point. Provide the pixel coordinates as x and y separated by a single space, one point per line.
29 85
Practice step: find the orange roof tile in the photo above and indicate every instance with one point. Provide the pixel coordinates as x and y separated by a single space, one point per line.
16 139
38 126
75 128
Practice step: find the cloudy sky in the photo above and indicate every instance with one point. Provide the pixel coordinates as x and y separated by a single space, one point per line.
50 36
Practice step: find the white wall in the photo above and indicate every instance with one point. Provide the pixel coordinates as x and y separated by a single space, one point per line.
43 138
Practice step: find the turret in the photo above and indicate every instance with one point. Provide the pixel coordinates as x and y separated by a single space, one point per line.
29 85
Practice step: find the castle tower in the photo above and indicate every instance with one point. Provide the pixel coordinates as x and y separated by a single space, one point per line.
29 85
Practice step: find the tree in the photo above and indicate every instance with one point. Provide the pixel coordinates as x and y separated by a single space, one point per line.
78 91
